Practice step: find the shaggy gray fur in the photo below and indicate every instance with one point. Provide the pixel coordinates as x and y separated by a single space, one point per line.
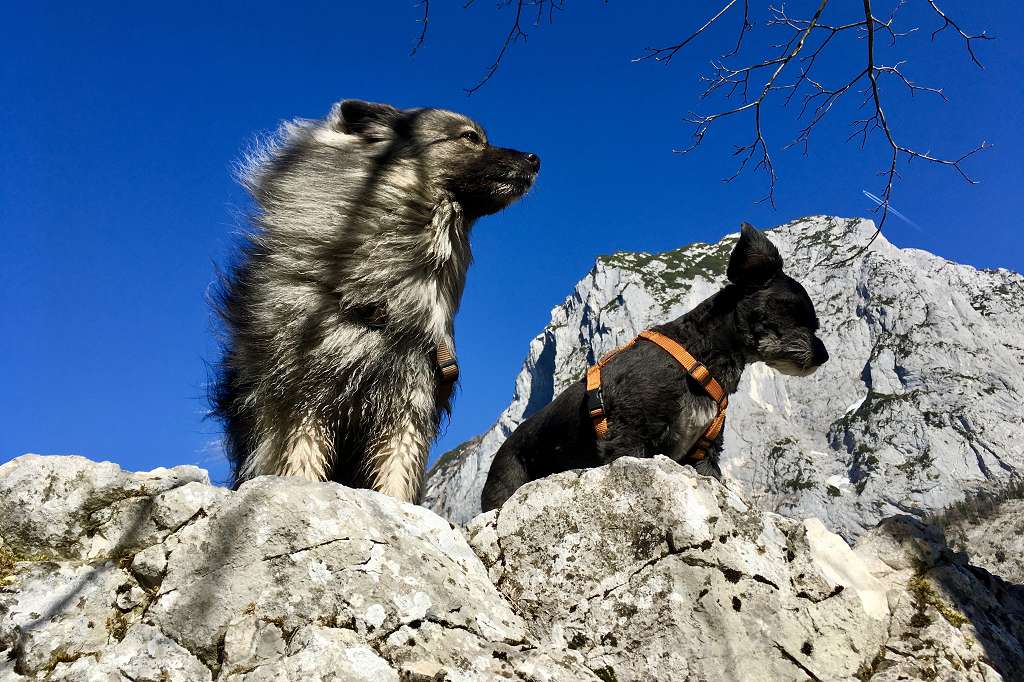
348 282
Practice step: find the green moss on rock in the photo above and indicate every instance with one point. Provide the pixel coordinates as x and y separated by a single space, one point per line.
925 595
7 562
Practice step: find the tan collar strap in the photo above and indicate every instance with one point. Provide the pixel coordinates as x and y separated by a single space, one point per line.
700 374
447 366
447 369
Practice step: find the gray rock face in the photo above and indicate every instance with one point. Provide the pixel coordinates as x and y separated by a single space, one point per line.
641 570
107 575
950 620
653 572
919 403
994 540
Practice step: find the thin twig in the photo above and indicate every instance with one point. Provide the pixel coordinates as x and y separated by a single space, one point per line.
665 54
878 121
747 151
947 22
516 32
425 4
744 26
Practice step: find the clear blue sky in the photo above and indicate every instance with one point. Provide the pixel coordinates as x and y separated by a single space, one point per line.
119 124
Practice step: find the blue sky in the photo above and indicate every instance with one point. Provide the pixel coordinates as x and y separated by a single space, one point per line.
119 126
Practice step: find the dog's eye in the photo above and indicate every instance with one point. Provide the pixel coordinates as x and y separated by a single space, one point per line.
472 136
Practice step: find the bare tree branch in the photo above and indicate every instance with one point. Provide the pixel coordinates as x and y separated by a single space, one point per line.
806 40
665 54
744 27
425 4
947 22
516 32
878 121
748 85
726 75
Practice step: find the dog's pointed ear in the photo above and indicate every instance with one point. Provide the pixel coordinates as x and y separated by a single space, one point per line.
755 260
356 117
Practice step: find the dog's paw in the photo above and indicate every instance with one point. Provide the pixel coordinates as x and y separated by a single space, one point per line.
708 467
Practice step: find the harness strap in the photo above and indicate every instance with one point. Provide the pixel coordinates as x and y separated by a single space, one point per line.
700 373
595 399
447 371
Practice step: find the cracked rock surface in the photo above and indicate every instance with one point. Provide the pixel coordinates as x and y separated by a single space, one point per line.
919 404
640 570
652 572
107 575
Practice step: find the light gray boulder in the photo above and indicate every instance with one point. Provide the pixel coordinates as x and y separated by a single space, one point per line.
172 579
74 508
653 572
951 620
144 655
993 536
640 570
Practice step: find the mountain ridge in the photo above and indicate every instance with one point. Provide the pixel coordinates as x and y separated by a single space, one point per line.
916 408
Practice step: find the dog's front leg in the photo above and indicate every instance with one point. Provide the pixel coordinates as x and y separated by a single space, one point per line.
399 456
295 446
622 445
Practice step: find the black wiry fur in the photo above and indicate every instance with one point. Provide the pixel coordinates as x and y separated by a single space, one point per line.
653 406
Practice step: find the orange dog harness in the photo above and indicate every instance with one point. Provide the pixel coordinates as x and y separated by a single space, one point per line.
700 373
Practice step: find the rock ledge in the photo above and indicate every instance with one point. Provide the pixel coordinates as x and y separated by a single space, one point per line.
641 570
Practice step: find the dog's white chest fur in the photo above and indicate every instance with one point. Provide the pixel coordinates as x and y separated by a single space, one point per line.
695 414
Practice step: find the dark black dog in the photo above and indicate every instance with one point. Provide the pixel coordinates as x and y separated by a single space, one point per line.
653 405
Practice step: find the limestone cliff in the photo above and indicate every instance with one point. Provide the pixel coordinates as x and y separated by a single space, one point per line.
919 404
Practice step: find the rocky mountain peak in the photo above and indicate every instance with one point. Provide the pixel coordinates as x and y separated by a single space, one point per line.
918 406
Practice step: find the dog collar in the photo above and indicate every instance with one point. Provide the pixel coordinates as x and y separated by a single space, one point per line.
697 370
447 370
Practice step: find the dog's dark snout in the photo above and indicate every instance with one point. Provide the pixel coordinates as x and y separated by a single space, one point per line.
533 160
820 352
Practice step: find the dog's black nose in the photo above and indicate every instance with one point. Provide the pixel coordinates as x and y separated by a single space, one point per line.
534 161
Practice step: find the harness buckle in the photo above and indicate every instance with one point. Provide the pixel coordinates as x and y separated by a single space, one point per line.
445 364
701 373
448 372
595 403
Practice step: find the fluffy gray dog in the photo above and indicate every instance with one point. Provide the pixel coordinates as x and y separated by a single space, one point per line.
342 301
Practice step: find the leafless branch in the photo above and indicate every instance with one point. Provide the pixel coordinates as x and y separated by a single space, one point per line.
947 22
425 4
514 34
789 72
878 121
665 54
805 40
744 27
516 31
912 87
726 75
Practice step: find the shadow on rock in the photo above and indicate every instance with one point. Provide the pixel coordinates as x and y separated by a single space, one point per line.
953 618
